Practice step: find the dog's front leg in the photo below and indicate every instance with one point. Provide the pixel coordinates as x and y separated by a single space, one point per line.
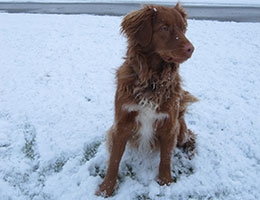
168 141
117 139
117 149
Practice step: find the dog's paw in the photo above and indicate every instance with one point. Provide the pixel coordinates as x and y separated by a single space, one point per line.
189 147
164 180
106 189
104 192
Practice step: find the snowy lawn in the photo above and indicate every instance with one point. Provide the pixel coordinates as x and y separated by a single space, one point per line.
56 103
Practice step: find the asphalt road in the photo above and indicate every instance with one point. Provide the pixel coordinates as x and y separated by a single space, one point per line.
203 12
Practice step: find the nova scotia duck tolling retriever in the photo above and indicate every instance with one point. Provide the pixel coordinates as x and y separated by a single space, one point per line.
149 102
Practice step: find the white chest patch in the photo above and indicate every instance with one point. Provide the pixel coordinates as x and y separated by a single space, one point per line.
147 115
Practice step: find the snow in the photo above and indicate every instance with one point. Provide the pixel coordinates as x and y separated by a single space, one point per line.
56 103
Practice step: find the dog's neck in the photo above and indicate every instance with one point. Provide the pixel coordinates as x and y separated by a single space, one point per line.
148 63
155 79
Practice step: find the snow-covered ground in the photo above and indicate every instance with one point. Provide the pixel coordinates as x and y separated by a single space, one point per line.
56 103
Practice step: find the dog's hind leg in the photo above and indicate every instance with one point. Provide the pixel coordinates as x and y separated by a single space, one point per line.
186 139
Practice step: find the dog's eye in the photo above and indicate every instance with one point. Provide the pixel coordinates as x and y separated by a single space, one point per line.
164 28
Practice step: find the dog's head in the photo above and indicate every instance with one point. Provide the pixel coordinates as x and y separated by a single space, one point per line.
161 30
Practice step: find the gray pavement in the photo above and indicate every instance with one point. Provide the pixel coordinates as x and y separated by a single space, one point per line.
203 12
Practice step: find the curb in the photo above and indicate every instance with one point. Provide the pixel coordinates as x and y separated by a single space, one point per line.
236 13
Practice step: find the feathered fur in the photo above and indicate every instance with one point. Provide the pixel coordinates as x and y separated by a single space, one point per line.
150 103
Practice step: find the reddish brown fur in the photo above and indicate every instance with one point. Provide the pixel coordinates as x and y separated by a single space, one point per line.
149 82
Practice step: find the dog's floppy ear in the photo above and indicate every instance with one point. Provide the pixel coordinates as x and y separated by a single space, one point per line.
138 26
181 10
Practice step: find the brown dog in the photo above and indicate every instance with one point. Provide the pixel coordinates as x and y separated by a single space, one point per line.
150 103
